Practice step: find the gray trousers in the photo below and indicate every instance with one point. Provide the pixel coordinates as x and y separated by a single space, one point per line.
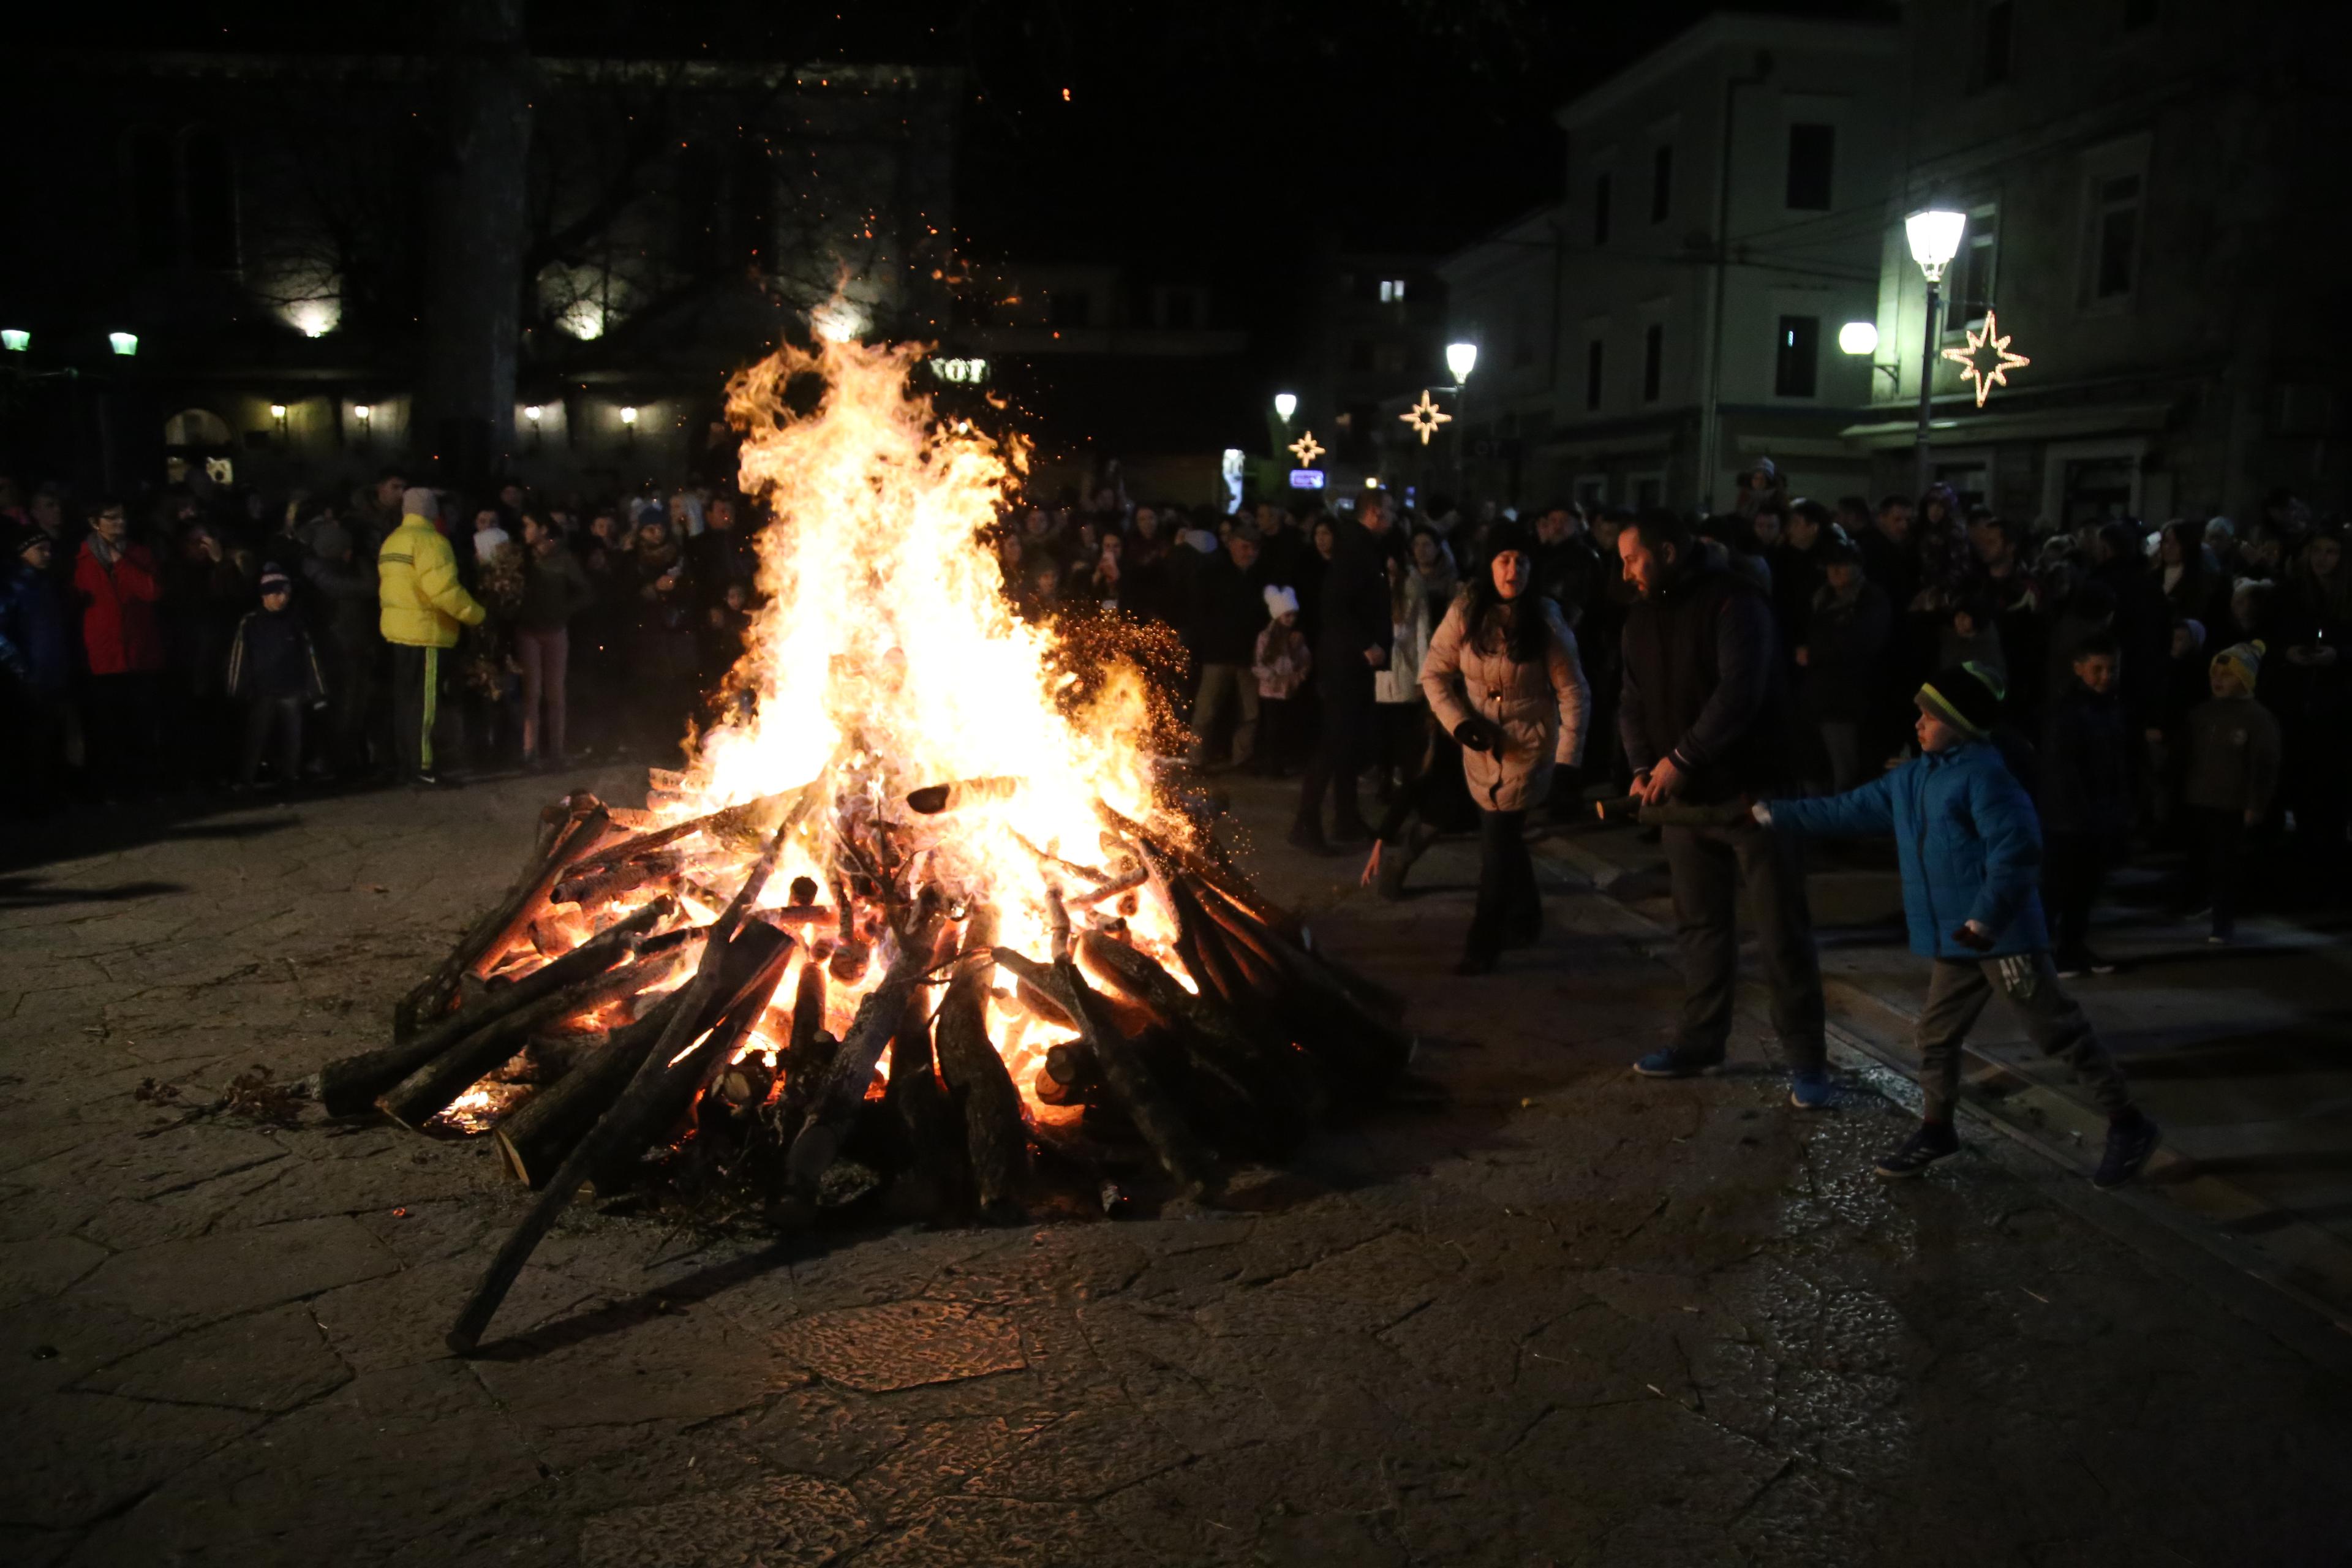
1710 866
1957 994
1225 686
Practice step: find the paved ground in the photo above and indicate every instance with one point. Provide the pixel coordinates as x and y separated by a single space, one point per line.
1548 1314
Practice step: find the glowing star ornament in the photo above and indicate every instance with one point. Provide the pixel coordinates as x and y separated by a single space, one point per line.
1306 448
1986 376
1425 417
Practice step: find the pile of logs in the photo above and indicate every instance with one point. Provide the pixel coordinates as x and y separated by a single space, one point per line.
1235 1058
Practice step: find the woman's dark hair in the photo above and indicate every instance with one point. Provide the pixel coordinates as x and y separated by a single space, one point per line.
1517 625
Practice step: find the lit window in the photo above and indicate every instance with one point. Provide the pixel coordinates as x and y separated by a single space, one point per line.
1392 291
1968 285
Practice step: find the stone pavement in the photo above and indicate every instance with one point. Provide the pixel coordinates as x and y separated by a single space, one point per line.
1539 1312
2239 1051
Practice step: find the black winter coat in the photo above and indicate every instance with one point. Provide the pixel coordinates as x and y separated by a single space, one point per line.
2086 775
1355 603
271 660
1703 684
1231 612
1845 658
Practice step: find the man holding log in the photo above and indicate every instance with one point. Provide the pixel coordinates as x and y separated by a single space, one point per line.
1702 714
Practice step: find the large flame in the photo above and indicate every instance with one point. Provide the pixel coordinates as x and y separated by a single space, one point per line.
885 657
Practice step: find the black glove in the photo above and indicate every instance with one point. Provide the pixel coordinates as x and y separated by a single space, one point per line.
1476 734
1975 940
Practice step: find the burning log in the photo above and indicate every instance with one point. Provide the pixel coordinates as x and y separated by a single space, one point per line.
995 1131
916 1098
535 1139
599 885
490 934
933 799
664 1090
852 1068
1139 1095
429 1090
620 1130
349 1087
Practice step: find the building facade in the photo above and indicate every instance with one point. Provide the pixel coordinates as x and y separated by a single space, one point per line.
2154 203
255 265
1677 315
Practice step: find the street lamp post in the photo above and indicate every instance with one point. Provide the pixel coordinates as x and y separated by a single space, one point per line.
1462 359
1935 236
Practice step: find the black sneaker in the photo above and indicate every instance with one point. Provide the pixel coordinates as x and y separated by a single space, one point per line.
2100 965
1928 1142
2072 966
2128 1146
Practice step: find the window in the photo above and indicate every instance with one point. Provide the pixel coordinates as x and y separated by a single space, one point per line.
1523 342
1600 210
1661 183
1996 29
1812 154
1970 283
1796 357
2138 13
1392 291
1181 306
1359 356
1388 359
1070 308
2112 254
1593 373
1654 361
212 200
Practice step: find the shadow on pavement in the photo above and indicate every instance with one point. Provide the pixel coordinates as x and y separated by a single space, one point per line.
27 892
93 830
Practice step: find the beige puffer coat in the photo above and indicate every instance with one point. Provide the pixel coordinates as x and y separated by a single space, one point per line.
1542 708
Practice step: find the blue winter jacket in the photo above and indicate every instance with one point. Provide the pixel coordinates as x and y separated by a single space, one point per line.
35 638
1969 839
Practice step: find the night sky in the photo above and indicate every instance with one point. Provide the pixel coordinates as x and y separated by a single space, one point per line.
1195 132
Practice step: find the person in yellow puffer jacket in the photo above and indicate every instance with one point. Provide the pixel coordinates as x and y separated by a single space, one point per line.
423 606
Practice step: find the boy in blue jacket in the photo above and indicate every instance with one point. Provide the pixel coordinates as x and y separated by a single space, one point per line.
1971 847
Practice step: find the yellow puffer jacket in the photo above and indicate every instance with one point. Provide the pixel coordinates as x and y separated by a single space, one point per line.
417 584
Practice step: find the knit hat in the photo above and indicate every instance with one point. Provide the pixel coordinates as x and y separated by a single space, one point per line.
2194 627
24 536
275 581
1967 697
1506 537
418 501
2243 660
1280 601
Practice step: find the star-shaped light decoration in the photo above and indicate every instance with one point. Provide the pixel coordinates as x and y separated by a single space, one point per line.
1986 376
1425 417
1306 448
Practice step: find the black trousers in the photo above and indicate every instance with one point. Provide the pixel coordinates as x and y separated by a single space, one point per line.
2217 864
1510 909
1710 866
124 733
415 705
265 716
2076 870
1341 752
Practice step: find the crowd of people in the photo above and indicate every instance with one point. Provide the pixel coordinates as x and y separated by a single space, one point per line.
2178 687
209 639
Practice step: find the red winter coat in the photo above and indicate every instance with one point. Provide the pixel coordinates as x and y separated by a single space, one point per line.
119 630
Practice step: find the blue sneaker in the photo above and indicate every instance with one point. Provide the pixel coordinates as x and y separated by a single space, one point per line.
1672 1062
1811 1090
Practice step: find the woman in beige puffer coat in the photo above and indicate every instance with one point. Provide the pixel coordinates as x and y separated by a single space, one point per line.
1503 677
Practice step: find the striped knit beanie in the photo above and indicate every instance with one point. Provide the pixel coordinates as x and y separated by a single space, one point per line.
1967 697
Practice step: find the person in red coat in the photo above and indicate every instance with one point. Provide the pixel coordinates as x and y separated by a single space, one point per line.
122 647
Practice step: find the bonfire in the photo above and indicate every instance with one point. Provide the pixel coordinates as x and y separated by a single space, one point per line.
919 913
